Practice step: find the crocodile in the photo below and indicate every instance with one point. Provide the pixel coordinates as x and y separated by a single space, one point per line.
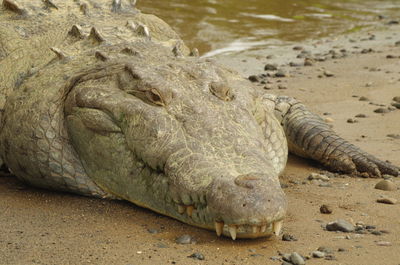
99 99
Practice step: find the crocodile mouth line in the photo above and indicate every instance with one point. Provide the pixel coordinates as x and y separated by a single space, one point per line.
233 230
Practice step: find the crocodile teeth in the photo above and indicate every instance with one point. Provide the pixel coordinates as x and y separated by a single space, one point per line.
276 227
232 231
263 228
255 229
59 53
181 209
219 226
189 210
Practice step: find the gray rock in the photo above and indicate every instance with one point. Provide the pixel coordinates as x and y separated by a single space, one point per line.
328 73
318 254
288 237
286 263
362 98
384 243
381 110
387 200
340 225
286 257
297 259
280 73
197 256
184 239
325 209
397 99
270 67
352 120
361 115
394 136
386 185
318 176
254 78
396 104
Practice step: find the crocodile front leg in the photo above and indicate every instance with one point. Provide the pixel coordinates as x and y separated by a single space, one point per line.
309 136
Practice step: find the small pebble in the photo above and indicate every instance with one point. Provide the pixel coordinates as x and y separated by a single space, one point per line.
254 78
288 237
270 67
340 225
361 115
386 185
396 105
297 259
197 256
362 98
318 254
369 84
318 176
282 87
352 120
297 48
328 73
280 73
325 209
387 200
326 250
153 231
329 120
381 110
268 86
390 56
384 243
308 62
377 233
394 136
184 239
397 99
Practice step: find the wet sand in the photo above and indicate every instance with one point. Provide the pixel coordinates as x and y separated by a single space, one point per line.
44 227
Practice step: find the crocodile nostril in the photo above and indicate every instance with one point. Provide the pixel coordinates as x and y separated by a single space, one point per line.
246 181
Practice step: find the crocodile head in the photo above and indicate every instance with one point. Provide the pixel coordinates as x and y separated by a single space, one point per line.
183 138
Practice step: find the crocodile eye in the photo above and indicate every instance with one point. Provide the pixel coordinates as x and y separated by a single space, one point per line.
154 96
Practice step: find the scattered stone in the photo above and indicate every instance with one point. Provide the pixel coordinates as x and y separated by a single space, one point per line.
329 120
268 87
387 200
282 86
254 78
396 104
325 209
367 50
394 136
381 110
153 231
340 225
397 43
397 99
197 256
361 115
275 258
184 239
386 185
161 245
286 263
377 233
384 243
297 48
370 227
328 73
297 259
286 257
318 254
352 120
270 67
318 176
288 237
326 250
280 73
362 98
330 257
369 84
390 56
341 250
308 62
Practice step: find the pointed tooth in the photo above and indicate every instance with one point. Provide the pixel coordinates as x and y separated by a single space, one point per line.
116 6
59 53
189 210
219 227
99 55
76 31
232 231
181 209
255 229
276 227
263 228
95 35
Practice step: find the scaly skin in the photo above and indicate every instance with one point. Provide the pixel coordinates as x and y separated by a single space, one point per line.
105 101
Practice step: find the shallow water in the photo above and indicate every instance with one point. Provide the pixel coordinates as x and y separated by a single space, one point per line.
219 26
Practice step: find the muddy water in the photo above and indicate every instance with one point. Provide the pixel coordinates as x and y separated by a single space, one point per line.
218 26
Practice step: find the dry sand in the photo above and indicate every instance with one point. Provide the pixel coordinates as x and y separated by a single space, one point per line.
44 227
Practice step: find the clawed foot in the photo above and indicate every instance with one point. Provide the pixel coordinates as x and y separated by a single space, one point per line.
362 164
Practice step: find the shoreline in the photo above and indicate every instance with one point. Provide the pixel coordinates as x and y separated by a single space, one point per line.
44 227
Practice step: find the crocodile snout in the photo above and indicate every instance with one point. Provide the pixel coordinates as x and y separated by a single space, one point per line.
246 205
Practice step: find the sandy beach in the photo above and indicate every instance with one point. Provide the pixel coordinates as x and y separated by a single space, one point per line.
348 79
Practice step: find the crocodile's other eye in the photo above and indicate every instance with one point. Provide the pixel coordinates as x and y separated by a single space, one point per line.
155 97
